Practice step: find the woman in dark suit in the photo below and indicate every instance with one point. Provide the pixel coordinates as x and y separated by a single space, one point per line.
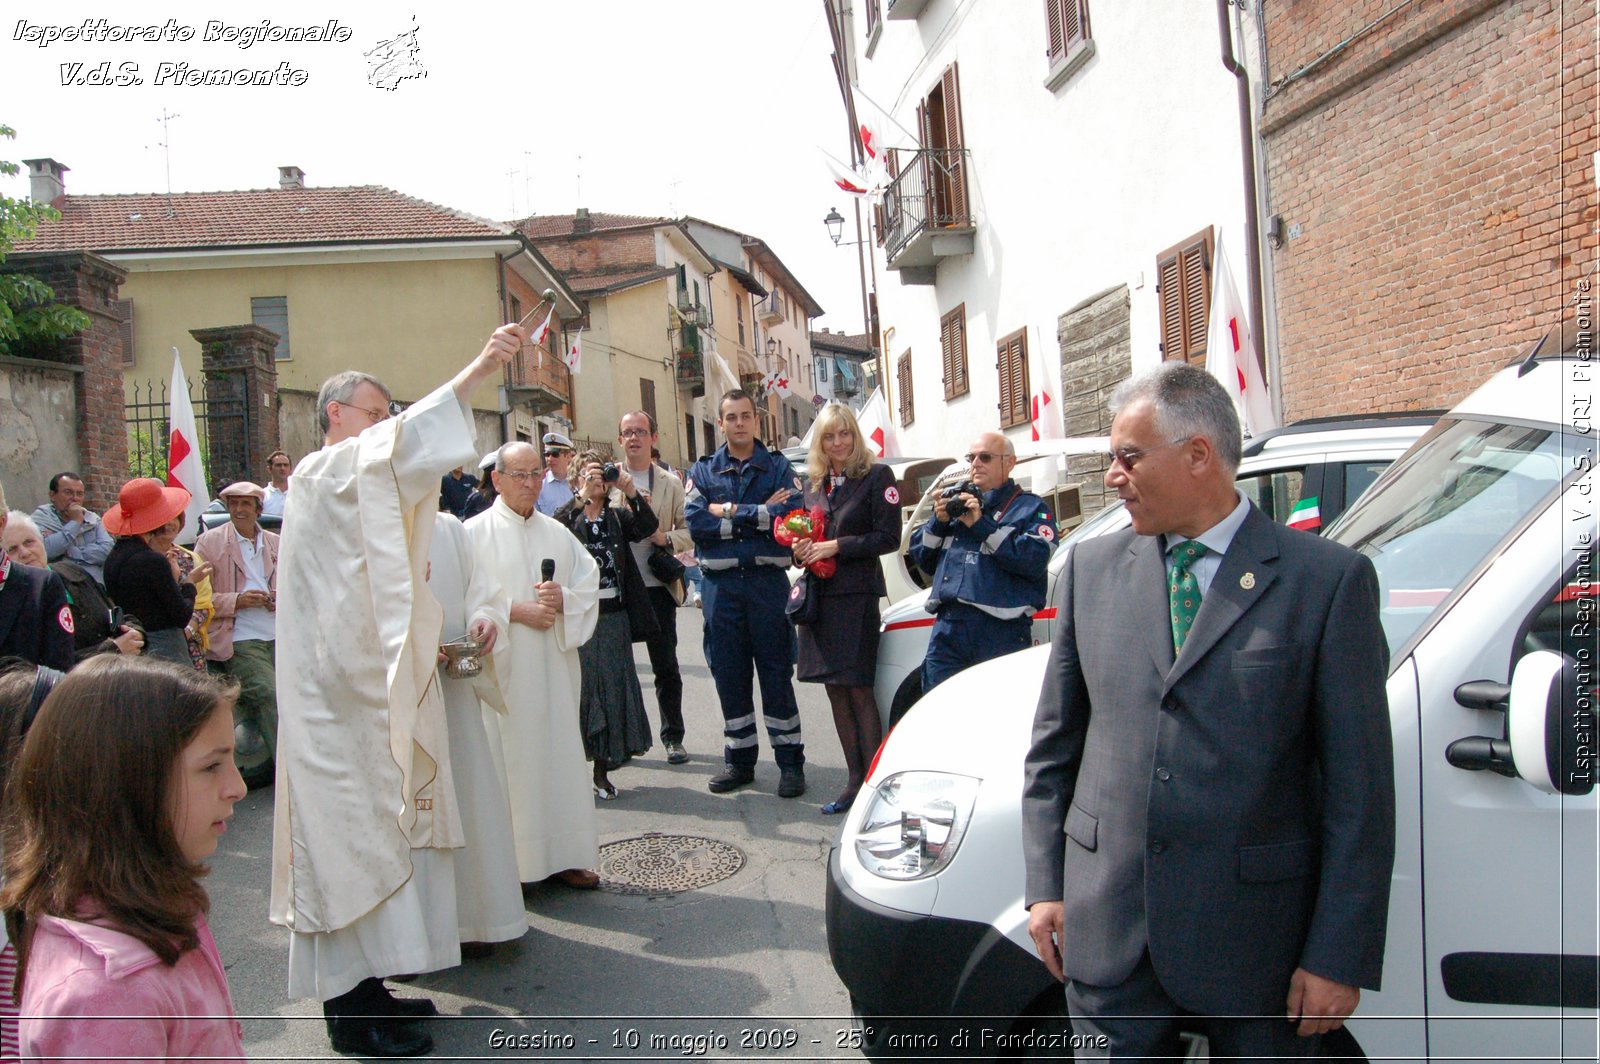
840 650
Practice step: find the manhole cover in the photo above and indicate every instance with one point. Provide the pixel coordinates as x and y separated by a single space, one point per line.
666 864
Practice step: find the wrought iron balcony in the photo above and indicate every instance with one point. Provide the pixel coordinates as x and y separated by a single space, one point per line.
692 372
926 214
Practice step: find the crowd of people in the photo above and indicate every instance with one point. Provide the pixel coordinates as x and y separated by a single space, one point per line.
398 782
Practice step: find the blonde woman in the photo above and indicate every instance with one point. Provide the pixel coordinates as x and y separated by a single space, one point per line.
840 650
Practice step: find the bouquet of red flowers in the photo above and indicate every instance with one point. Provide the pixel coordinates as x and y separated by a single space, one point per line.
803 525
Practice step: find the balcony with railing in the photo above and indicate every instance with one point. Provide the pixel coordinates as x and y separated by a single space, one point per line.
771 309
540 379
691 374
926 214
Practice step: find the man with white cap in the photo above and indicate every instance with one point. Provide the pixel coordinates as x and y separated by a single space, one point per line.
558 452
244 594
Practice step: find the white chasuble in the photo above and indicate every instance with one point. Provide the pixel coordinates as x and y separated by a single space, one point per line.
532 701
363 752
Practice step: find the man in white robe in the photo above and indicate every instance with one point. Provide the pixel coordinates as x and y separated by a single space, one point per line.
489 904
365 816
532 717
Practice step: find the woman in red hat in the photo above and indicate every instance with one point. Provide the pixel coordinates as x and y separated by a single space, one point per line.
143 581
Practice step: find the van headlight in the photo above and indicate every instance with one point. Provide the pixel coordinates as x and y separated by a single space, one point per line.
914 823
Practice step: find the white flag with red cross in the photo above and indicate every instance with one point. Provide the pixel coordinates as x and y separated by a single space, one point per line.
184 467
778 381
1044 395
574 357
1231 351
876 428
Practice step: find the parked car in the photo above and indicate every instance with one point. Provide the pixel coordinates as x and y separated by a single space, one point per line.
216 515
1305 474
1483 538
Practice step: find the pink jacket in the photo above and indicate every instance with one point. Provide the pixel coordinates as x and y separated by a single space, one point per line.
220 547
90 991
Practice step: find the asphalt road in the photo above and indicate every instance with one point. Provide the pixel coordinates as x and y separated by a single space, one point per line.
738 969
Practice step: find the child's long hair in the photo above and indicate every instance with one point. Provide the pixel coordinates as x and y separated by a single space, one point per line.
89 821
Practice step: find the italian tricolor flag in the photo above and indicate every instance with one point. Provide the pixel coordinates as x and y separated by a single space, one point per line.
1305 515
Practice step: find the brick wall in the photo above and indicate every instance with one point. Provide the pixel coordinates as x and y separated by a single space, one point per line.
1435 185
241 401
600 252
91 284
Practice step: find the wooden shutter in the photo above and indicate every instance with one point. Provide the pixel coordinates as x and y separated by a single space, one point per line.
954 143
1012 365
1067 23
647 398
1184 281
123 308
953 352
903 382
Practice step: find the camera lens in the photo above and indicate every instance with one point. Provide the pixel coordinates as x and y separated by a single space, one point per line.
608 472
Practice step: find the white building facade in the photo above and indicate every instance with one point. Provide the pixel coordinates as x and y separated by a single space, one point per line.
1061 172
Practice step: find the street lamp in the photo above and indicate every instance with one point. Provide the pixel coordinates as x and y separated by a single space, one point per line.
835 223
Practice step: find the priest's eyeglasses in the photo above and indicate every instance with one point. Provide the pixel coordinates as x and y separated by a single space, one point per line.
527 476
374 414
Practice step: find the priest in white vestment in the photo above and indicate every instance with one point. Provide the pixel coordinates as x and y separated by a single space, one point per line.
532 705
365 819
489 905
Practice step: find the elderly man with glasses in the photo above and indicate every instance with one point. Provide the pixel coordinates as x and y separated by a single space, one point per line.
987 552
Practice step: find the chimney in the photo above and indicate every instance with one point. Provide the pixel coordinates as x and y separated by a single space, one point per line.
291 177
45 183
581 222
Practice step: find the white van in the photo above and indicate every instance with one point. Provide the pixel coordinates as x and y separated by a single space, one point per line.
1483 538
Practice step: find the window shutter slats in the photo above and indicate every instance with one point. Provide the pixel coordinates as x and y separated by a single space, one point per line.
1014 383
1196 299
955 141
1053 26
1171 307
1185 281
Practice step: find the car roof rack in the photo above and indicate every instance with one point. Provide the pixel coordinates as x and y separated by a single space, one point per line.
1378 420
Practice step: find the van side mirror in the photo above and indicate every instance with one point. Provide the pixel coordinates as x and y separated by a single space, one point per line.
1550 738
1551 723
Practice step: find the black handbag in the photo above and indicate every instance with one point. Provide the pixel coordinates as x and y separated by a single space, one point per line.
805 601
665 566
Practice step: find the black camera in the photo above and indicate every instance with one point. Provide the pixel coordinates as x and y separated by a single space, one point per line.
966 487
608 472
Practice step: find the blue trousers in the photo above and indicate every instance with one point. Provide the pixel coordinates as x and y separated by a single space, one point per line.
745 626
963 636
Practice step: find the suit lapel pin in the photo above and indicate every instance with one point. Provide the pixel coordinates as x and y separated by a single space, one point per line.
1247 581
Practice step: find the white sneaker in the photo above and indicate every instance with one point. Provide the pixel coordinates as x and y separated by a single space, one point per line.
697 600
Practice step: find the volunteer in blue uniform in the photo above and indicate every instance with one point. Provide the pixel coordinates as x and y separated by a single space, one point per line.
730 502
988 557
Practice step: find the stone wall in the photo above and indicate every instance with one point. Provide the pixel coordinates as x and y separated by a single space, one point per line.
1096 355
38 428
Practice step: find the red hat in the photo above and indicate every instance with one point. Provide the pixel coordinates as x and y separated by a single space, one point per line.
144 505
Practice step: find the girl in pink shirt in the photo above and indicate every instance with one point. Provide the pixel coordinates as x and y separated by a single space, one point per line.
122 787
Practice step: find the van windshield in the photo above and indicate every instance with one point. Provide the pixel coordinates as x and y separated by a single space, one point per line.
1448 503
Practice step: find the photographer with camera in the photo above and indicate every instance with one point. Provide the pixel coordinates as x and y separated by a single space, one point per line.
987 548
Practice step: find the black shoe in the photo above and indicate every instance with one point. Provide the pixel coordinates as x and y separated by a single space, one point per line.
731 778
791 781
404 1008
368 1037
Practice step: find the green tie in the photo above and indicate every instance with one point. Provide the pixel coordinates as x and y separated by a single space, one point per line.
1183 590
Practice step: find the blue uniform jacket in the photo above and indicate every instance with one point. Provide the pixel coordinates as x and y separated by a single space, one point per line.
745 540
999 565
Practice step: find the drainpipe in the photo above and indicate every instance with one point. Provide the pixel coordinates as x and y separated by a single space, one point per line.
1251 212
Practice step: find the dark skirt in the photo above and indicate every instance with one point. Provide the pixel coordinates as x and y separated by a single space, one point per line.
842 647
610 707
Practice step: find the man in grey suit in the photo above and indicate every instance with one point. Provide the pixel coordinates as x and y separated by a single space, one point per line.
1208 807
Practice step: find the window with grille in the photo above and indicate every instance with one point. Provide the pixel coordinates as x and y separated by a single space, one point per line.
953 352
1012 364
903 387
1184 288
272 312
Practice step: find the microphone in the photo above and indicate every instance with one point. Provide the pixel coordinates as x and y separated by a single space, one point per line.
547 570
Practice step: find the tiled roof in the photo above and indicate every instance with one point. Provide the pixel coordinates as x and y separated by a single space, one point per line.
544 226
856 343
616 280
256 217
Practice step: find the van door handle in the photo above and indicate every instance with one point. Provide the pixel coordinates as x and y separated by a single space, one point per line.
1484 694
